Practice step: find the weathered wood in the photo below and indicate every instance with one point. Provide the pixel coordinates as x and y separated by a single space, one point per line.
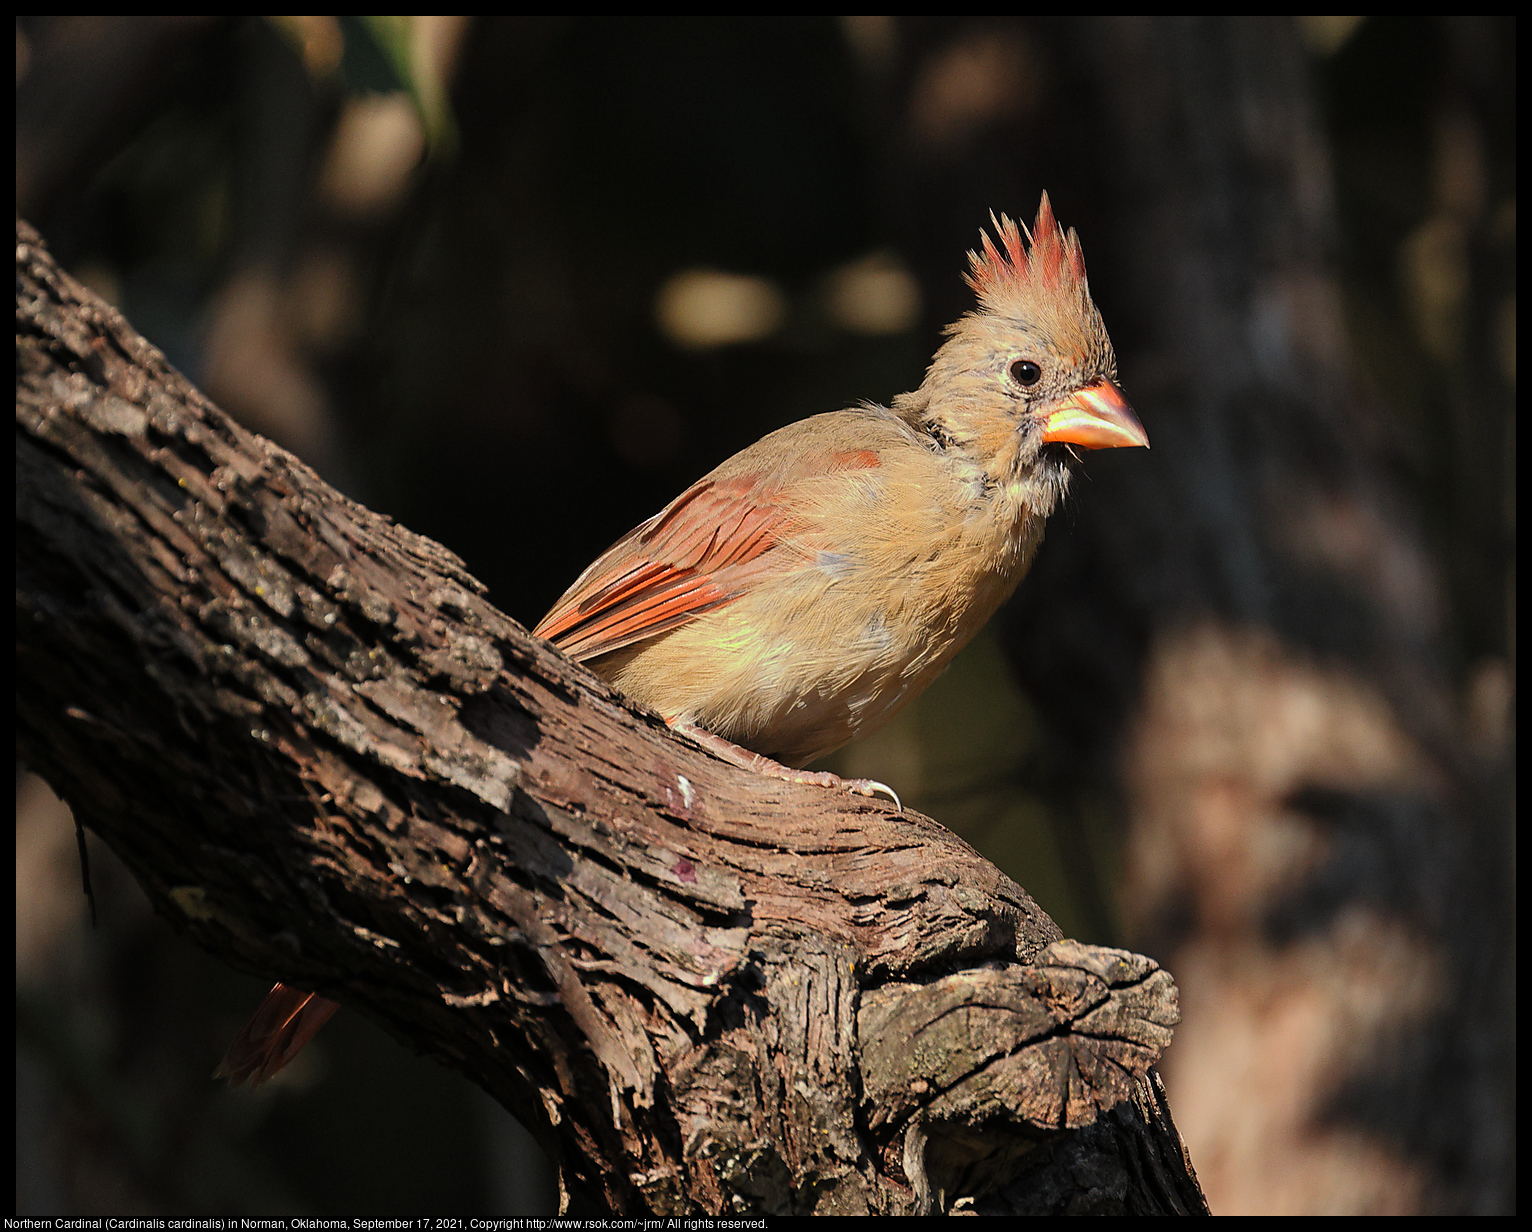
329 759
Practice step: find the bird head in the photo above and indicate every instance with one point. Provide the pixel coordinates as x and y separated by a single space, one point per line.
1031 372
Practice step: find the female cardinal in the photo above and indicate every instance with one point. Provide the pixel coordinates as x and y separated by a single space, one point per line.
807 589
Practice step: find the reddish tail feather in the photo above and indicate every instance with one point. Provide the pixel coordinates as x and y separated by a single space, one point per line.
275 1034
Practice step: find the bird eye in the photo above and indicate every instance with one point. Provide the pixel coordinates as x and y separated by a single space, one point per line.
1024 372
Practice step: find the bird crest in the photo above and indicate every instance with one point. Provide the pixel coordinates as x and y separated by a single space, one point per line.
1049 264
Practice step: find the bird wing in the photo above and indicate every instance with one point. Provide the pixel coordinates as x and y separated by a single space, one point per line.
692 557
699 553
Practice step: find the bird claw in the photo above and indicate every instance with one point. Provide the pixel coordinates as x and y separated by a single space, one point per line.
871 787
761 764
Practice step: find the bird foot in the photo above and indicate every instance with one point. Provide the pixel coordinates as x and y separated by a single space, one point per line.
761 764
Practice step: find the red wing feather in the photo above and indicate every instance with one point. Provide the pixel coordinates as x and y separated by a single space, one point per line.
698 554
283 1023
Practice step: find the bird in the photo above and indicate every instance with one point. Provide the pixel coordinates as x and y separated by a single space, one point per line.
808 588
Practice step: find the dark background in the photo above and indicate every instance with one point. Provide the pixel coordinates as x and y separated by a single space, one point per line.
431 257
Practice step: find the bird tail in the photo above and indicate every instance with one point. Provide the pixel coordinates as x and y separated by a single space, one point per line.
275 1034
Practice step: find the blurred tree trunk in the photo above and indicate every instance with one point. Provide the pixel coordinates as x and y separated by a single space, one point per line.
325 756
1244 630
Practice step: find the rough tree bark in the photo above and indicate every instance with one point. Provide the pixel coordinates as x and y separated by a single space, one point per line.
328 759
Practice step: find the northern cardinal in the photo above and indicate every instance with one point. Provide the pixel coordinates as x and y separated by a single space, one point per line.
807 589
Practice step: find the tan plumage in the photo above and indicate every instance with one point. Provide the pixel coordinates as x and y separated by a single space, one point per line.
808 588
867 587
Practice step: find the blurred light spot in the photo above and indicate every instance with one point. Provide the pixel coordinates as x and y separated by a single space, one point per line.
1434 269
437 43
647 431
701 308
252 367
1505 338
984 77
318 40
324 300
50 905
424 49
1324 36
1234 723
875 295
1434 259
1491 695
378 143
874 42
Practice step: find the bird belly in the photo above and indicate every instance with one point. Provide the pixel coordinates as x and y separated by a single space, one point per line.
797 669
771 685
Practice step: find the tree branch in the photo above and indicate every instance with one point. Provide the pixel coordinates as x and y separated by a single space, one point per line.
327 758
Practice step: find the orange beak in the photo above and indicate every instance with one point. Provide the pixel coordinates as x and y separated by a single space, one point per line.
1097 417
